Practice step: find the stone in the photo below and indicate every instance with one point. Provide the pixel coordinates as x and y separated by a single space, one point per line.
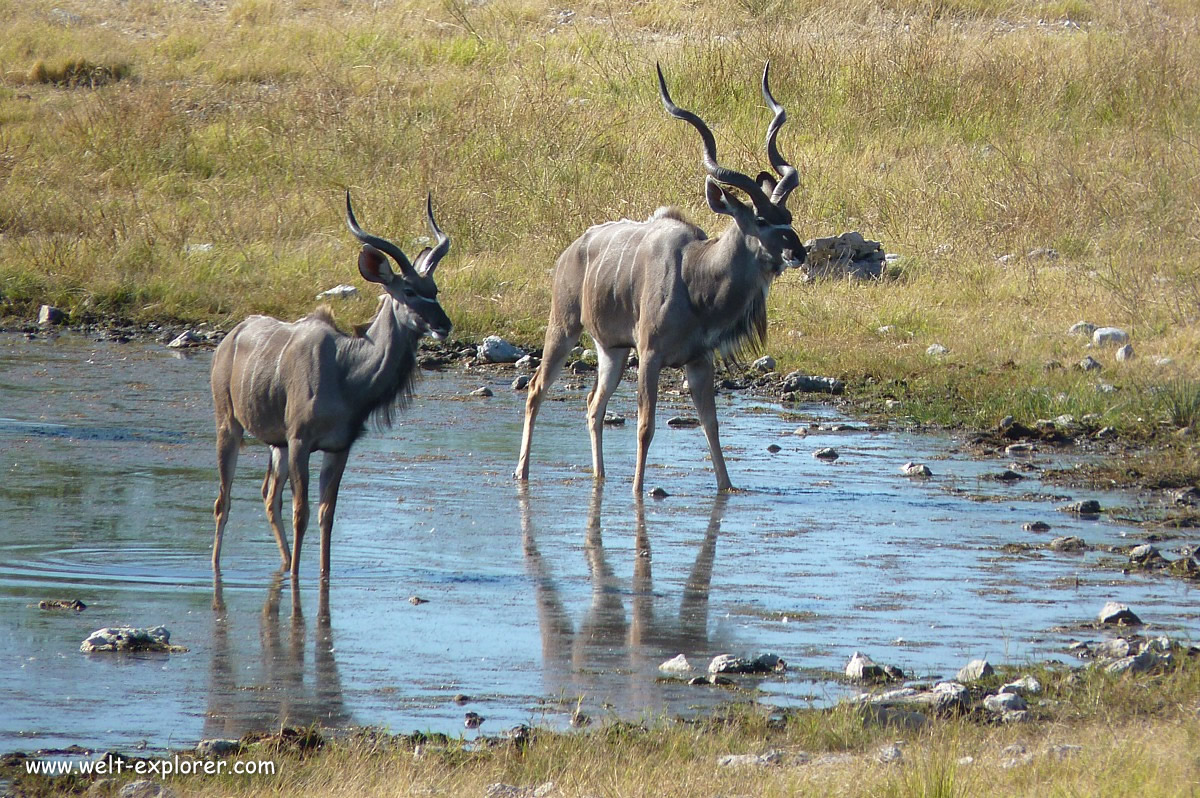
210 749
1007 475
890 717
521 383
829 454
1025 686
1020 449
495 349
614 420
417 601
1187 497
342 291
1064 750
862 668
48 315
937 350
975 670
911 469
764 364
186 339
727 663
1109 336
75 605
1015 716
774 448
145 788
1085 507
1004 702
484 392
683 422
1115 613
128 638
1036 526
1082 328
1146 555
849 255
676 664
750 760
890 753
1068 543
659 492
1113 648
1125 353
527 362
1139 663
1089 363
501 790
811 383
801 432
1105 433
473 720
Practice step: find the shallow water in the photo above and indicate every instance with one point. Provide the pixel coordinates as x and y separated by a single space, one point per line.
539 601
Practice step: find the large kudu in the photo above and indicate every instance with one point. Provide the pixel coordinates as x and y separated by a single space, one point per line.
306 386
668 289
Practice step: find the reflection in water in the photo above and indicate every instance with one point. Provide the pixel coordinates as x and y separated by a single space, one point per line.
279 695
609 638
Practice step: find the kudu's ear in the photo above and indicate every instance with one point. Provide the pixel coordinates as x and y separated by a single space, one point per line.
720 200
767 182
373 266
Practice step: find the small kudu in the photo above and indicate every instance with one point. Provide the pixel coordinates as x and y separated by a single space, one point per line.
668 289
306 386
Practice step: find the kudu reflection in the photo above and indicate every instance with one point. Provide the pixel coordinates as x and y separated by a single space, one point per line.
666 288
611 638
284 689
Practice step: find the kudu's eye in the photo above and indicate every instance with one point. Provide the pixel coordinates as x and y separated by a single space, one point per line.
408 292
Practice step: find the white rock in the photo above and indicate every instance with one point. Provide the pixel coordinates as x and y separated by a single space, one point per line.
936 350
145 788
764 364
750 760
828 453
975 670
1113 612
1083 328
1125 353
495 349
1110 336
889 753
339 292
911 469
1004 702
1026 685
48 314
677 664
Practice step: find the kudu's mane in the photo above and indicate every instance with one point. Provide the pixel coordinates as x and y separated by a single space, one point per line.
396 387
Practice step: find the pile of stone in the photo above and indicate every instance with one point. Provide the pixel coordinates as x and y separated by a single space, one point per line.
847 255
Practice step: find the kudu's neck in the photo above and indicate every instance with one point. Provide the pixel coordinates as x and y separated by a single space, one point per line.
380 363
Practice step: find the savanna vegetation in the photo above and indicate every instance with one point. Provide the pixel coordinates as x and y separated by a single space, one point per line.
185 161
1092 734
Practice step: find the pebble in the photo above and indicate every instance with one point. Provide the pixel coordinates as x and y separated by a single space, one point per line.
1036 526
417 600
484 392
659 493
828 454
614 420
1068 543
520 383
683 422
911 469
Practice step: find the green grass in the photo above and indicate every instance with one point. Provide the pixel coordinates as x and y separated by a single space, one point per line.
186 161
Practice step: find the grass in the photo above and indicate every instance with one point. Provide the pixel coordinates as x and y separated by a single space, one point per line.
1093 734
185 161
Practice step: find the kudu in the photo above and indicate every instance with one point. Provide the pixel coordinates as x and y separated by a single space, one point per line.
668 289
306 386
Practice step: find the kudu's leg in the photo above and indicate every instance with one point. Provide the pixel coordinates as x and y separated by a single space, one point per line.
700 383
298 466
272 493
229 440
648 370
608 377
332 468
559 342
